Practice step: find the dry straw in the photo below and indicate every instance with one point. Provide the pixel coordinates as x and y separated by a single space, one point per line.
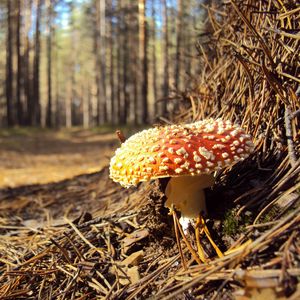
250 75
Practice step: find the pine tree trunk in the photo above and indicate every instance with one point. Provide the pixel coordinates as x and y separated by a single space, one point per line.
125 59
27 65
100 57
143 60
49 116
9 67
179 29
19 65
154 60
35 121
166 57
113 102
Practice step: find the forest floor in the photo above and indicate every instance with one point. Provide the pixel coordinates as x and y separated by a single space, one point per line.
69 232
30 156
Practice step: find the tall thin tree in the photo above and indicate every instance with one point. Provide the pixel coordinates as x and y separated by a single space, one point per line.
113 102
100 58
179 32
9 66
49 115
143 59
166 56
154 59
19 64
35 112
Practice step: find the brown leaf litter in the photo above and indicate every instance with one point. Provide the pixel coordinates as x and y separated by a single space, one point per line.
87 238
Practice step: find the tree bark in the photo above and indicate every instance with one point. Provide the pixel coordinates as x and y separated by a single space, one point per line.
113 102
35 113
19 65
143 60
166 57
100 57
9 67
49 116
154 60
179 29
119 65
27 65
125 59
70 113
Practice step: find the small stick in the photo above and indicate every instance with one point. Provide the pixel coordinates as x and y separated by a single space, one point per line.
194 254
199 246
173 212
120 136
289 135
295 114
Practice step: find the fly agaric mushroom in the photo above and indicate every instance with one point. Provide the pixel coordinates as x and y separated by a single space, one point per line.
189 154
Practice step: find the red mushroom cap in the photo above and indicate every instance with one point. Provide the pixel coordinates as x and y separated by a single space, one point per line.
189 149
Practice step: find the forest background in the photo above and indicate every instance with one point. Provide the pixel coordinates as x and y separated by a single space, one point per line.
94 62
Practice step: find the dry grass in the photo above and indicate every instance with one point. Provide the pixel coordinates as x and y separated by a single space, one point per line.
252 79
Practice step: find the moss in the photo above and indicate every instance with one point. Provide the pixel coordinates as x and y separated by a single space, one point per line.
231 223
234 224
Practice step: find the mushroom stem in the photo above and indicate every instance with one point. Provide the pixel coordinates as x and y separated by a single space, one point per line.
187 195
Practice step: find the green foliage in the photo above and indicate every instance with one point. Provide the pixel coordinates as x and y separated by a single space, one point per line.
234 224
231 223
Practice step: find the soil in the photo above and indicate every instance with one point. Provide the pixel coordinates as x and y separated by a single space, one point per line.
38 157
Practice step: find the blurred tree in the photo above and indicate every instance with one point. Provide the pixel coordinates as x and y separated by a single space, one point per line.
35 109
166 57
9 66
154 58
143 60
70 63
49 31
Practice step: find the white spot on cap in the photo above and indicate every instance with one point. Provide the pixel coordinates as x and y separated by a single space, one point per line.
178 170
197 158
207 154
178 160
163 168
152 160
181 151
185 165
161 154
218 146
155 148
225 155
211 137
171 150
209 164
234 132
166 160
